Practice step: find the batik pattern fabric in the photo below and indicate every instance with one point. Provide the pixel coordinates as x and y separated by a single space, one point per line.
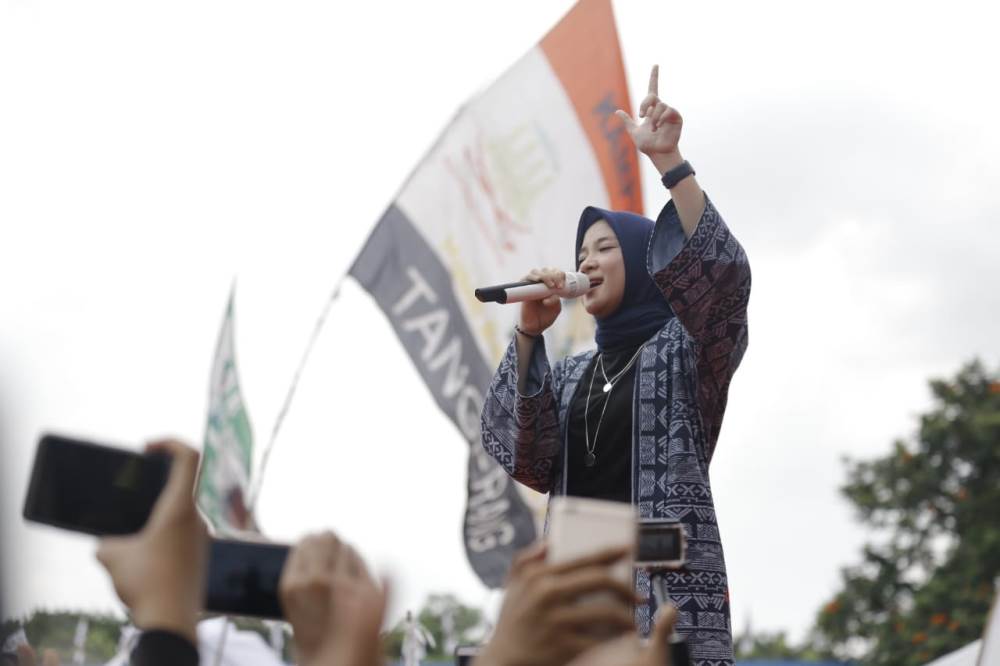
682 382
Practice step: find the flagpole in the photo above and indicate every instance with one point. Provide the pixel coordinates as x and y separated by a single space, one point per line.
334 295
320 322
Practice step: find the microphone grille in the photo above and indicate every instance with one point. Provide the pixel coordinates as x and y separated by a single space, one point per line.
577 284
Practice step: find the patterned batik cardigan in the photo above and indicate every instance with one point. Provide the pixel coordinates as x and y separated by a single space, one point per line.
680 392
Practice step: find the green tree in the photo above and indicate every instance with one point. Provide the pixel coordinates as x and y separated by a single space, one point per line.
925 586
775 645
55 630
468 625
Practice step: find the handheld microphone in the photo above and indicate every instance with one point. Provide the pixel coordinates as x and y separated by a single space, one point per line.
576 284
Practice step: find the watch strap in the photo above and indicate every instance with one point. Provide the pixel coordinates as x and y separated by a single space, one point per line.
677 174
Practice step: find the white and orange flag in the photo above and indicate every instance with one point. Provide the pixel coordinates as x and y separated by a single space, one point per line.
500 193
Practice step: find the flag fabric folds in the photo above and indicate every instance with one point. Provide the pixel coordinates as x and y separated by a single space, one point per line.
499 193
224 479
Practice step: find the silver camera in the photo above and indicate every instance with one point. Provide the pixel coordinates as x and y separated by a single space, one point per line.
662 545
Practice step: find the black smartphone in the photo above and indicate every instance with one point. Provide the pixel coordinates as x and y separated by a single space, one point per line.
243 578
91 488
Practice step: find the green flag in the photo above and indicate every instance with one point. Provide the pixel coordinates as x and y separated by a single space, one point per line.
228 452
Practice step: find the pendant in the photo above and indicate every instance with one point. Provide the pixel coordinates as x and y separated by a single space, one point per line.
589 459
608 387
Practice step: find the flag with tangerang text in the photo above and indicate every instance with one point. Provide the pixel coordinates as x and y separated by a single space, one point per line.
499 193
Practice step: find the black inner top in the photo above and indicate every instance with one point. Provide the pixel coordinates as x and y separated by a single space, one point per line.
609 478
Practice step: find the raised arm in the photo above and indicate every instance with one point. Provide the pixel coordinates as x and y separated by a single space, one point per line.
698 264
706 280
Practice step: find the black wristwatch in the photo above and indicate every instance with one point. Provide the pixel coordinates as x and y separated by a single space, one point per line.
677 174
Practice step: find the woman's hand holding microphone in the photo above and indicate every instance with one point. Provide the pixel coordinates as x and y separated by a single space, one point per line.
536 316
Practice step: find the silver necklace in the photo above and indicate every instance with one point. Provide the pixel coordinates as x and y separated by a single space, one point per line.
590 459
610 383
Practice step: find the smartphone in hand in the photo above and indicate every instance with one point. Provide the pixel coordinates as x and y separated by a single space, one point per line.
580 526
243 578
92 488
105 491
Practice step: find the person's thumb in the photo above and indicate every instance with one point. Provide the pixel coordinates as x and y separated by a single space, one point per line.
109 552
26 655
627 119
113 553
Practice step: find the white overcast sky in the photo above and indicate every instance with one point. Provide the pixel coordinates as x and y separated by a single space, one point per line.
150 152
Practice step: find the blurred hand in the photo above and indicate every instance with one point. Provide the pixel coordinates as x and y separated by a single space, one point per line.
536 316
26 655
660 131
159 573
335 607
541 622
628 649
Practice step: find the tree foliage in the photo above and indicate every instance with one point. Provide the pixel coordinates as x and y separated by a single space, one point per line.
925 586
468 623
55 630
750 646
771 645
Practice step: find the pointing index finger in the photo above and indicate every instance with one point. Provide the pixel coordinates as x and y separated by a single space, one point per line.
654 77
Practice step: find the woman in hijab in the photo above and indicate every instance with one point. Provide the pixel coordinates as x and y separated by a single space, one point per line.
637 419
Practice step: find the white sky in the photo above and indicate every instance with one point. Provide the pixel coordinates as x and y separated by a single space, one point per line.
149 152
